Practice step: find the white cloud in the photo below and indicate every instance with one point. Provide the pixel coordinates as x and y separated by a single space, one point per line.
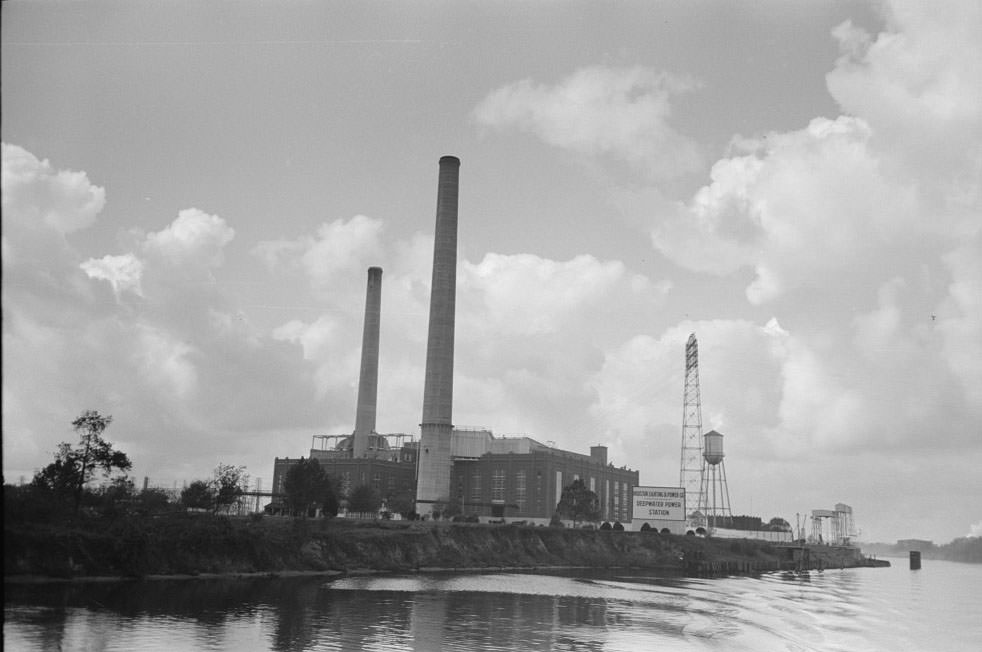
960 319
620 112
916 84
35 194
193 238
802 208
122 272
341 247
165 361
639 388
526 294
180 368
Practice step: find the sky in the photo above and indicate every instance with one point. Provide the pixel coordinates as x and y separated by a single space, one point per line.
193 192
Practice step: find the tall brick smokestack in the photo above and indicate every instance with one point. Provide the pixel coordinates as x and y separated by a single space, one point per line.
433 484
368 379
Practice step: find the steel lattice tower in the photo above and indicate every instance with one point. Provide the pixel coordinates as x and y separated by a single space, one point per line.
690 473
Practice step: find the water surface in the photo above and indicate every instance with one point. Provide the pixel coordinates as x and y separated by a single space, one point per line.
936 608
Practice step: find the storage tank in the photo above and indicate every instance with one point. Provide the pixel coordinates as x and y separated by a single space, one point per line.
712 447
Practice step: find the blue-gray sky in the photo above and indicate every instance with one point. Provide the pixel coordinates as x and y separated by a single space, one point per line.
192 193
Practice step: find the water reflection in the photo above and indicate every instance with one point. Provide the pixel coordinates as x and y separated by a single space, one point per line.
504 611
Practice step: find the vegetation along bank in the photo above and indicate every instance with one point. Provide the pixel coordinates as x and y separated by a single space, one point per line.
194 544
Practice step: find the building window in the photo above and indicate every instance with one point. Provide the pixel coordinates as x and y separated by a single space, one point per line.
377 482
498 485
609 501
593 485
476 488
617 501
520 490
346 483
559 486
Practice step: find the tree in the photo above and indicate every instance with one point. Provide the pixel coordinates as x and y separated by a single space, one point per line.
229 484
364 499
73 468
152 500
198 495
114 497
579 503
402 502
779 524
308 486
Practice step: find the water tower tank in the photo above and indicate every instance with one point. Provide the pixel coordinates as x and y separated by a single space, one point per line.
712 447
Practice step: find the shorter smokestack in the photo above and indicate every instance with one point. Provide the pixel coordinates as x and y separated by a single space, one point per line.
368 377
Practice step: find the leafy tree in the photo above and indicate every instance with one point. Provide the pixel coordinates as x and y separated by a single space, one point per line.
364 499
153 500
229 484
452 509
579 503
114 497
779 524
308 486
436 509
73 468
198 495
402 502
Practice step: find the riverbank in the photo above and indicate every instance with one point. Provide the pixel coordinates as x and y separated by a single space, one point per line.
195 545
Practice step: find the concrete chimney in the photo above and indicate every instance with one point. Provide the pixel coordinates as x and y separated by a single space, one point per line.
368 379
433 483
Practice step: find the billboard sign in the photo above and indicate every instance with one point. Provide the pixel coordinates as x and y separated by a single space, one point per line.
659 503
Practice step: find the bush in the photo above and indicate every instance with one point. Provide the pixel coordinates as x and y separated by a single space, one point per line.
605 526
618 526
645 527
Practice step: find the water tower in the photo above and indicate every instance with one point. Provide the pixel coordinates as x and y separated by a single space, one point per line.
715 494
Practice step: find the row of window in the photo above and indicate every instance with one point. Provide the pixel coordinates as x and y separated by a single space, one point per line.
613 502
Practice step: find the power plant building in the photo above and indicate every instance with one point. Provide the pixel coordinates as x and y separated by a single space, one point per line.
464 471
492 478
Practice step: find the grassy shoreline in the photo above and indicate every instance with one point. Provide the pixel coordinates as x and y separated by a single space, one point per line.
202 545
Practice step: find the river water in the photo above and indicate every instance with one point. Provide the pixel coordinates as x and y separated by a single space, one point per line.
936 608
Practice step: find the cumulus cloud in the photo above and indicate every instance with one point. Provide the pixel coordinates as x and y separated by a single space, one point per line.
619 112
916 83
527 294
332 261
860 213
121 272
639 388
846 200
167 358
801 208
35 194
529 329
961 318
194 238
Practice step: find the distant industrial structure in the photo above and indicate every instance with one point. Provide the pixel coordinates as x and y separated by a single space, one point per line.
690 469
714 496
841 528
470 471
702 473
465 471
